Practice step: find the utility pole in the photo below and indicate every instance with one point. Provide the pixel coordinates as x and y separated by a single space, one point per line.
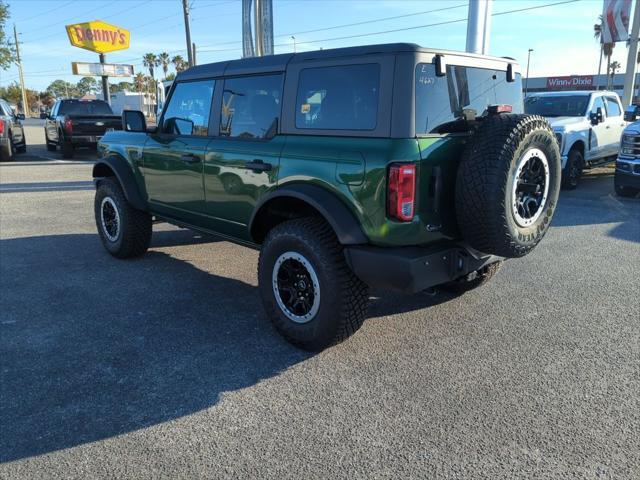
526 80
195 61
25 105
187 31
632 58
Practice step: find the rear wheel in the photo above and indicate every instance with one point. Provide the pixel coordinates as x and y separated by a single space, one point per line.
474 279
8 151
311 296
67 149
125 231
572 170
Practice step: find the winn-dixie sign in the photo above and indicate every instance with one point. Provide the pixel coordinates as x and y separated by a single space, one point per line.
98 36
574 82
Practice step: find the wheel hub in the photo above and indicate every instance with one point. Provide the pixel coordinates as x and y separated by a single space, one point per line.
110 219
530 187
296 287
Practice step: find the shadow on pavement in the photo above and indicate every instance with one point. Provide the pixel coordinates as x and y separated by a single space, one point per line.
93 347
595 202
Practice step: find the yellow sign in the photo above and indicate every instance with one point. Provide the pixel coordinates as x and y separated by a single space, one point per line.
98 36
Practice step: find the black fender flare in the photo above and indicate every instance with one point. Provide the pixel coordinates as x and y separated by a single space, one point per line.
334 211
123 172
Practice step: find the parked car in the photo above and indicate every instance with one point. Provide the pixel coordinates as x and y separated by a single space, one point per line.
75 123
587 124
388 166
12 139
627 175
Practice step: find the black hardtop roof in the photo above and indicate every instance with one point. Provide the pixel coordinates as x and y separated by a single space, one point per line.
278 63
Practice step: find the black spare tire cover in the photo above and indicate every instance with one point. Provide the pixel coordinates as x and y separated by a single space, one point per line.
507 184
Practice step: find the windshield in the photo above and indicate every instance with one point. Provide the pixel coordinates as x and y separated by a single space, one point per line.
95 107
557 106
440 100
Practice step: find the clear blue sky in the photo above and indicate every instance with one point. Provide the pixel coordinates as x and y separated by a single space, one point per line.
561 35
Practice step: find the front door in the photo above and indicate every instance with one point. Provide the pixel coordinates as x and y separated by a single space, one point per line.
242 162
599 136
173 158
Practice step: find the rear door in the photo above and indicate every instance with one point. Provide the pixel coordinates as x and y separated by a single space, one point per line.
173 157
242 160
614 125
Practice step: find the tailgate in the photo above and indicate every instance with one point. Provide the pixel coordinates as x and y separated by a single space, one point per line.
95 124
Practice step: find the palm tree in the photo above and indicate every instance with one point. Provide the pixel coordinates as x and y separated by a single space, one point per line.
164 60
150 60
615 66
179 63
139 81
605 48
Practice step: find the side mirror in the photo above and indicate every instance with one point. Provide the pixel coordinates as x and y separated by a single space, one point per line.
20 116
632 114
133 121
596 117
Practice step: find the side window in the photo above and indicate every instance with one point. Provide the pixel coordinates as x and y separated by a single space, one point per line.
613 108
188 110
598 103
251 106
338 98
54 109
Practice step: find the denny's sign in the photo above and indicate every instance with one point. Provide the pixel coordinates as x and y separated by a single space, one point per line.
98 36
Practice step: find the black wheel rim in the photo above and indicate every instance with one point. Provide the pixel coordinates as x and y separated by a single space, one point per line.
110 219
296 287
530 187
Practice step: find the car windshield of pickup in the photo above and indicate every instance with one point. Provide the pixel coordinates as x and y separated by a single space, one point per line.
557 106
81 107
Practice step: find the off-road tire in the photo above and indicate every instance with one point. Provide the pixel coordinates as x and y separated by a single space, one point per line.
343 297
485 182
572 170
66 149
473 280
624 191
135 229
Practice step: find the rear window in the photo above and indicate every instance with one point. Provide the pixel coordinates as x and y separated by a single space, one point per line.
95 107
338 98
440 100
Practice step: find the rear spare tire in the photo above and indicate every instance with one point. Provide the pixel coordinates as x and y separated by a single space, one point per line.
507 184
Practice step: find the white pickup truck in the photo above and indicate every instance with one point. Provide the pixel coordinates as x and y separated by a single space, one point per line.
587 124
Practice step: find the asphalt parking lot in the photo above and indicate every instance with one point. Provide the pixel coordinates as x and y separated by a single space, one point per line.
166 367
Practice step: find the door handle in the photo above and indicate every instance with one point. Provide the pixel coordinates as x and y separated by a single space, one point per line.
189 158
258 166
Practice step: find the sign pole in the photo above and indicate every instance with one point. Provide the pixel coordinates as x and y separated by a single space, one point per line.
632 58
105 82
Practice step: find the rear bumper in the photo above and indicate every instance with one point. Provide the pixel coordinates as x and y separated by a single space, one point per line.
84 139
412 269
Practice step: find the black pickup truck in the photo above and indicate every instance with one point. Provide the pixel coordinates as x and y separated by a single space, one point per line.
76 123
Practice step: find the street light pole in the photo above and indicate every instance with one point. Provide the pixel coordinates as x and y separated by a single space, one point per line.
294 43
526 80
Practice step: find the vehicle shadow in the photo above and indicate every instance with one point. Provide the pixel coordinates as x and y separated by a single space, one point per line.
93 347
595 202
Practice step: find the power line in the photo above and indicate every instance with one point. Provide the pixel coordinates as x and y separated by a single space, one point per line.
46 11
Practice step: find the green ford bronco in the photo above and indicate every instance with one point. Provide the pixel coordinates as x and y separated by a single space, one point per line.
389 166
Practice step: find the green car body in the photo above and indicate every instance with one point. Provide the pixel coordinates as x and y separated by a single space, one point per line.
354 152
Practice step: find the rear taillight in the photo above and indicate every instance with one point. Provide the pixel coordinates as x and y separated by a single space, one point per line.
402 191
68 126
1 127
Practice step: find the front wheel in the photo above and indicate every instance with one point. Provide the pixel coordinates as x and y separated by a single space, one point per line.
624 191
572 170
125 231
311 296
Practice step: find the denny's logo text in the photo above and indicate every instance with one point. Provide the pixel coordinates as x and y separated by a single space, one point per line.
98 36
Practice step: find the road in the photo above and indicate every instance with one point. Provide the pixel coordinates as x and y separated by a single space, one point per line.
166 367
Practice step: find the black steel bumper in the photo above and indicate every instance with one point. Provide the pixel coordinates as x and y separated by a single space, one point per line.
412 269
